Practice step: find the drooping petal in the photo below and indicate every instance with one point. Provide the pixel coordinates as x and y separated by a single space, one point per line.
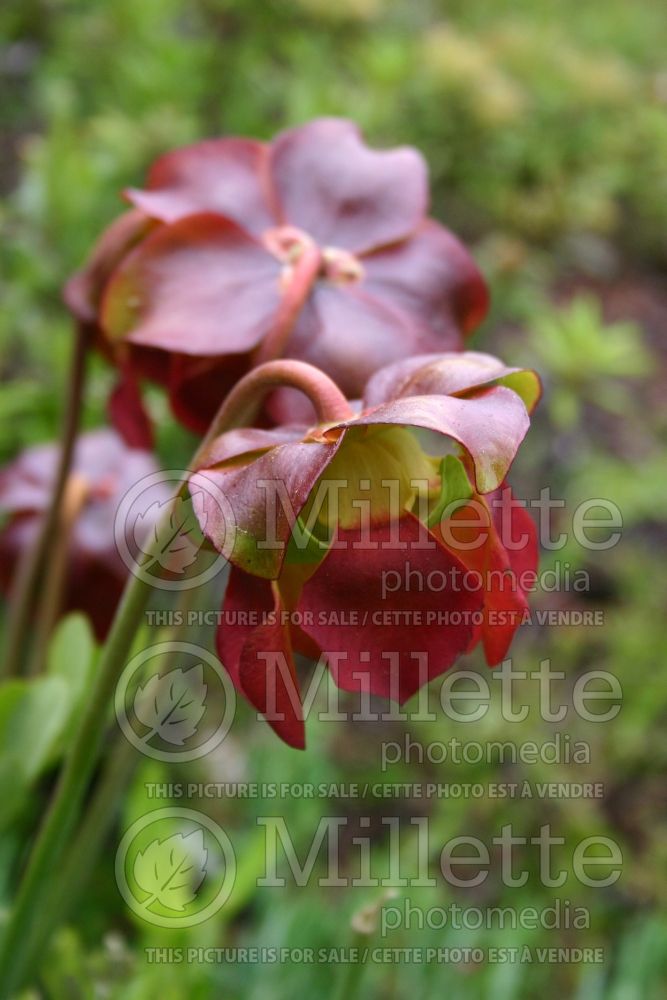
200 286
395 614
490 426
226 176
253 644
264 499
247 443
433 279
127 413
496 539
344 194
450 374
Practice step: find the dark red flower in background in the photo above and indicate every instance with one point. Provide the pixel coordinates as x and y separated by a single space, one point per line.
104 469
341 530
312 246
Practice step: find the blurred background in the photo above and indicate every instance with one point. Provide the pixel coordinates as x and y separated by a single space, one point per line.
545 128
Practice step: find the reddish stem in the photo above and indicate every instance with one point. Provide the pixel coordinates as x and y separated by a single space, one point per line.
246 398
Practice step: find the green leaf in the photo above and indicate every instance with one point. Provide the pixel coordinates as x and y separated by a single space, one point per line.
72 655
33 715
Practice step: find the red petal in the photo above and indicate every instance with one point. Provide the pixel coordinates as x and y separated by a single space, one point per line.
83 290
200 286
349 335
270 684
249 442
227 176
344 194
450 374
431 277
127 413
350 582
490 426
265 496
501 563
197 386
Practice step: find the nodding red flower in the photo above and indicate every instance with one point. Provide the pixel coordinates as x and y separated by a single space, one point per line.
312 246
386 541
103 470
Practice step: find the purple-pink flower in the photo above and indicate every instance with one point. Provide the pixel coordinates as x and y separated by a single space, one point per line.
313 246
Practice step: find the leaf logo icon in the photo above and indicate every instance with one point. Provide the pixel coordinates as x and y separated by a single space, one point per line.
177 538
172 870
171 705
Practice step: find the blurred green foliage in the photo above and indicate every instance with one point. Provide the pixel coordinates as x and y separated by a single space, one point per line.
545 127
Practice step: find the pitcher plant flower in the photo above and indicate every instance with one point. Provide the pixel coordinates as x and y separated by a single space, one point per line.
313 246
103 470
382 540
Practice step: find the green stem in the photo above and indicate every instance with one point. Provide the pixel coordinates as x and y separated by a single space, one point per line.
101 811
29 572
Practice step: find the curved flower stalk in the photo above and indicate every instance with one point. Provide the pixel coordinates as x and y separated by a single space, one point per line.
103 469
386 541
239 251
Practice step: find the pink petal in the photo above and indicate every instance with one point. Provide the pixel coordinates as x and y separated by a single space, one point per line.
490 426
394 655
226 176
432 278
265 497
243 648
83 290
350 334
200 286
450 374
344 194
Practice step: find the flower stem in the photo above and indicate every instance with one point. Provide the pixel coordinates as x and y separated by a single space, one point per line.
28 574
245 400
74 497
